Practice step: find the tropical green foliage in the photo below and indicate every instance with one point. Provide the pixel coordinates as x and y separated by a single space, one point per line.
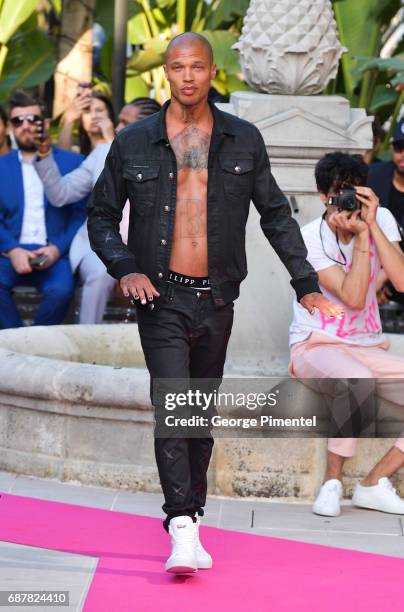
27 54
151 25
367 80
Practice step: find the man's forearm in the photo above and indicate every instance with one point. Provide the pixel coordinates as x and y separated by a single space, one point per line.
392 259
104 216
284 235
356 283
279 227
65 140
381 280
66 189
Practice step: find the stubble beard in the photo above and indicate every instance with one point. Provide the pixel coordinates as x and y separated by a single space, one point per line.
28 147
398 170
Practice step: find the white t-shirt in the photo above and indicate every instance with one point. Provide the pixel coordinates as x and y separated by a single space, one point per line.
363 326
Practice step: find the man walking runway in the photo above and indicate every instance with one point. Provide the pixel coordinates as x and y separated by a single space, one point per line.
190 172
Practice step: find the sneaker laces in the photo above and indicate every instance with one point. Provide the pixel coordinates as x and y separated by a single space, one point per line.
334 488
386 484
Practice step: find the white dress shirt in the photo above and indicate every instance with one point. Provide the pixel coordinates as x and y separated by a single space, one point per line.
33 229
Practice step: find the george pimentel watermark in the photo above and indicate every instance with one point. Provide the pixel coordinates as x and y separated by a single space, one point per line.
275 407
250 401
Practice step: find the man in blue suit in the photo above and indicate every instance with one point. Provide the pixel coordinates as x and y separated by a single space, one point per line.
34 237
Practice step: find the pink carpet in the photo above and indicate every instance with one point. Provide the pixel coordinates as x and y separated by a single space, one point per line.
251 572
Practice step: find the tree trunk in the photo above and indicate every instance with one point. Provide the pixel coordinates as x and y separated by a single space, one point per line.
75 51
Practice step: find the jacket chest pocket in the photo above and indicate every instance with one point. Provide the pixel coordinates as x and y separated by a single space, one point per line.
238 176
142 184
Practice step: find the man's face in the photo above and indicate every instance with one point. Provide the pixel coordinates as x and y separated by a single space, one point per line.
128 115
23 123
189 71
397 151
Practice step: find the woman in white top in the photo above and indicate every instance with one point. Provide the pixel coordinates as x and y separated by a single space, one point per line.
62 190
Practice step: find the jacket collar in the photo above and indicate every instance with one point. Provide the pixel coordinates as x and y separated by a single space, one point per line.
221 124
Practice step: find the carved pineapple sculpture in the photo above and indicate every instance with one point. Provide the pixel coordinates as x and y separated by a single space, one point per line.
289 46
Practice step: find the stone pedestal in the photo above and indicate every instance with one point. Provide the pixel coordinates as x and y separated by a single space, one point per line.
297 131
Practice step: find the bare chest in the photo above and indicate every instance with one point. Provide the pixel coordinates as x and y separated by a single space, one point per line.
191 149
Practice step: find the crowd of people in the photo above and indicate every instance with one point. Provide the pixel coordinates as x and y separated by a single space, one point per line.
341 264
43 229
65 175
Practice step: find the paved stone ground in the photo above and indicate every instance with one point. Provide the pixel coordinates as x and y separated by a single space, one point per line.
29 568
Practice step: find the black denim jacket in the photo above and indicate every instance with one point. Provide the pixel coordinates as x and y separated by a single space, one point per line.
141 166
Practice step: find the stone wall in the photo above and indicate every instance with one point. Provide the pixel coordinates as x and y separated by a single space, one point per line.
68 416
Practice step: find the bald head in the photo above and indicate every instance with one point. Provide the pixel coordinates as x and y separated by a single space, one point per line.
189 39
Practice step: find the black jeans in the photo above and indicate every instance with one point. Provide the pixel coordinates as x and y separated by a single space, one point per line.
185 337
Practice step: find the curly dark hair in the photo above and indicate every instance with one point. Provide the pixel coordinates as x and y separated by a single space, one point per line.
336 169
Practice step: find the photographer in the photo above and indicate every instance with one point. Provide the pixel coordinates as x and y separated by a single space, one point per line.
347 246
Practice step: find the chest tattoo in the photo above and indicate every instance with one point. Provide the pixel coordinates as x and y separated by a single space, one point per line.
191 148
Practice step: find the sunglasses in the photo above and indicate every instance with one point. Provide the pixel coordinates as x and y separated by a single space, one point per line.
19 120
398 146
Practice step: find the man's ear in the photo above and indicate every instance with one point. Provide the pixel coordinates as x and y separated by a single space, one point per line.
323 196
213 71
165 69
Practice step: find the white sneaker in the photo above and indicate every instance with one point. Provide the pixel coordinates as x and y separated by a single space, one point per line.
382 497
328 500
183 559
204 559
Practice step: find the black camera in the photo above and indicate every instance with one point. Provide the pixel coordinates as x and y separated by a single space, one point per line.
346 199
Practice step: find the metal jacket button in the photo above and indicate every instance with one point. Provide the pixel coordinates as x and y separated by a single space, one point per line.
171 175
139 176
160 275
237 168
163 242
166 209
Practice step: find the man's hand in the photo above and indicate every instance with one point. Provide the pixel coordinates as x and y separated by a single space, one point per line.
79 104
311 301
20 259
107 128
370 204
42 139
139 286
51 251
348 221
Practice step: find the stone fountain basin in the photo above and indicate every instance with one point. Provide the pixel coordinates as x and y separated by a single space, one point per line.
57 363
74 405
